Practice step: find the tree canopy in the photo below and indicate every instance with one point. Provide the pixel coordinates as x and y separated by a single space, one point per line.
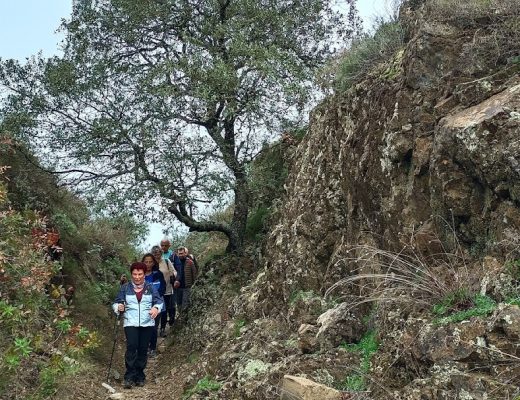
164 103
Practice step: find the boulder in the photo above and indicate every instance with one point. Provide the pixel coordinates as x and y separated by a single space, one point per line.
454 342
338 325
508 320
298 388
307 341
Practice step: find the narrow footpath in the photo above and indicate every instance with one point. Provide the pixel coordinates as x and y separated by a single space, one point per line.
162 380
164 374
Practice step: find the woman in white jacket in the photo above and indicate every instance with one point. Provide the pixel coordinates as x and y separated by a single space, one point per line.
141 304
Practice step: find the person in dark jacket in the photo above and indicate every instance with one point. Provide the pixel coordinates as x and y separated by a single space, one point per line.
185 279
141 304
156 279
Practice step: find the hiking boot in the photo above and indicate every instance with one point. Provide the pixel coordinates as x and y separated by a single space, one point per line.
152 353
139 383
128 384
162 333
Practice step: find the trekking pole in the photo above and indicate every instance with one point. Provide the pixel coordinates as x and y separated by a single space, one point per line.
116 325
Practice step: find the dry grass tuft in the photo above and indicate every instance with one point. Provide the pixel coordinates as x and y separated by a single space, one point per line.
406 277
496 24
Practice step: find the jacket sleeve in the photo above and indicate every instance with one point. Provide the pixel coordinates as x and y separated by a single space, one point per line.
193 270
172 270
176 262
180 272
120 298
157 300
162 286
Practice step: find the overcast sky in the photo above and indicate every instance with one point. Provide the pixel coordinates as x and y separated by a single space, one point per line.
29 26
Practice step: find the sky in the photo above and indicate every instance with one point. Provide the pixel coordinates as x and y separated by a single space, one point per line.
30 26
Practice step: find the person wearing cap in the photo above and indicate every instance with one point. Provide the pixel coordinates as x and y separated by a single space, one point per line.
140 303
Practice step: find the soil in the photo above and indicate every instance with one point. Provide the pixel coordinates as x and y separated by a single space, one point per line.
162 374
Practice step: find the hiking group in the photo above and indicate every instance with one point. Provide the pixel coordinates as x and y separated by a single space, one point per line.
157 292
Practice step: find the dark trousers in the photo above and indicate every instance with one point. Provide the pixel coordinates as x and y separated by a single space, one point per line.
137 340
153 338
168 315
182 298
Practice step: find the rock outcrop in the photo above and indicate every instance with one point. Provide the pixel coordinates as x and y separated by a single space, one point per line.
403 195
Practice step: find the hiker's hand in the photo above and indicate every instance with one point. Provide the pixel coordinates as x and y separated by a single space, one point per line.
176 284
121 307
154 312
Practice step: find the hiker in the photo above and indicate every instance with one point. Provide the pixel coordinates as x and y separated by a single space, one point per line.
169 273
175 260
184 280
192 258
156 279
68 295
141 304
170 255
53 251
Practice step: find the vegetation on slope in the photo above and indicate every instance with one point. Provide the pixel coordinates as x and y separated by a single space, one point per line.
58 269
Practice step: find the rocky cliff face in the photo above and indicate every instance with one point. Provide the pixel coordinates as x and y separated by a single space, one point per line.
401 220
420 158
430 150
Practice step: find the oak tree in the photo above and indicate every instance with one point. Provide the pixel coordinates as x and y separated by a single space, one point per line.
161 104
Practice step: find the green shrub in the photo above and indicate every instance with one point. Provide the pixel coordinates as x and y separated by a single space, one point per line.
514 301
452 302
301 295
476 306
51 375
367 346
203 386
64 224
354 383
255 222
368 51
48 378
34 321
267 174
239 324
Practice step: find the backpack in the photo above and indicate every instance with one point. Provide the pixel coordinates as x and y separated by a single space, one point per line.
192 258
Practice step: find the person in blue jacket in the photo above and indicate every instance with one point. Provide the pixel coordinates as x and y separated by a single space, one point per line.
141 303
156 278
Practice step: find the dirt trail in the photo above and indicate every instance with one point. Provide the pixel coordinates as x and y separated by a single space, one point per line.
164 374
162 380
